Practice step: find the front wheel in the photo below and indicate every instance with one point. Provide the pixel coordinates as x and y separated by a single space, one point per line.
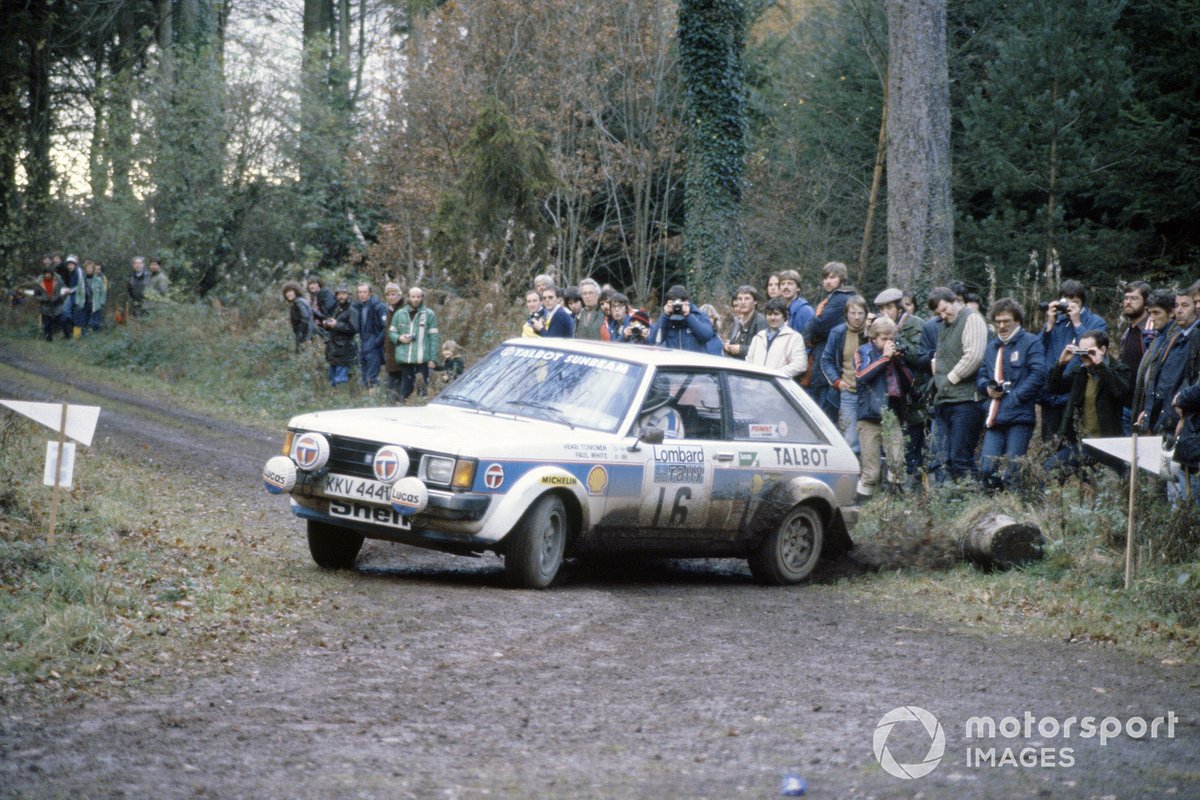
533 552
333 547
790 552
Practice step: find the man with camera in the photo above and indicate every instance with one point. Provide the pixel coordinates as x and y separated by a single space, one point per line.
1011 376
534 311
1067 318
908 343
1096 388
415 334
638 328
557 321
681 327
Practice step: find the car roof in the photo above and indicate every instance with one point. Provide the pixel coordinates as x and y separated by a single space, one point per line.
651 355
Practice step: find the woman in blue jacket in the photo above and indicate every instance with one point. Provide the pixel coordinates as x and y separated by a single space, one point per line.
1010 378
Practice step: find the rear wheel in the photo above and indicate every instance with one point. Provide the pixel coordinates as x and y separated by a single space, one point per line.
533 552
790 552
333 547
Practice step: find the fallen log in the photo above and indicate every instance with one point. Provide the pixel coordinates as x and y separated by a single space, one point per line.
997 541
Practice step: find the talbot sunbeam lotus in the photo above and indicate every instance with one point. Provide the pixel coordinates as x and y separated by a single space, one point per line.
557 448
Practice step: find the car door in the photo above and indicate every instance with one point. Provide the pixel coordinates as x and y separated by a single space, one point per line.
677 475
769 440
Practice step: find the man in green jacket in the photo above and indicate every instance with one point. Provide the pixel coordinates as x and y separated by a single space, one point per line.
414 331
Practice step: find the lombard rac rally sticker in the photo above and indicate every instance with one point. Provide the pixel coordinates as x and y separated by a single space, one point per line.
493 476
391 464
279 475
312 451
409 496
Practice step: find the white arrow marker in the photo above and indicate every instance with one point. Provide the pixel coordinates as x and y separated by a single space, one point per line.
81 420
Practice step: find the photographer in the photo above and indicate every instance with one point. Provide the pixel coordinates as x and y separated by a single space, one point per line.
638 328
1011 375
681 327
1067 318
890 303
615 317
883 384
1096 387
534 311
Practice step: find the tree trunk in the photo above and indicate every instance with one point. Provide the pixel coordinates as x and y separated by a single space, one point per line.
711 39
920 212
165 36
11 120
997 541
873 200
120 110
97 150
39 172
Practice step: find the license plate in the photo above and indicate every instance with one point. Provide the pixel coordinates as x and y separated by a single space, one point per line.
376 515
357 488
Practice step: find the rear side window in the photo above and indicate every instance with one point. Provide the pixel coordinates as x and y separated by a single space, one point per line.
762 412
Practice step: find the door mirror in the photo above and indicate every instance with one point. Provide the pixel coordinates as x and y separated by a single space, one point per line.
649 436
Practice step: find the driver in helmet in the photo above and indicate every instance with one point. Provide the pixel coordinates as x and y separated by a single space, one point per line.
658 410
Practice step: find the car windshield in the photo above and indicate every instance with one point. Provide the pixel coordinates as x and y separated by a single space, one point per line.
569 388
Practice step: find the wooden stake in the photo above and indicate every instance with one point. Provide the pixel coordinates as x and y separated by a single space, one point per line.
1133 468
62 438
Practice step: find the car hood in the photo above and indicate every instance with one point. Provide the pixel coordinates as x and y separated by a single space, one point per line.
443 429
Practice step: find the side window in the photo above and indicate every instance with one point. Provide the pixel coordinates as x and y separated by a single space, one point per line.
685 404
763 413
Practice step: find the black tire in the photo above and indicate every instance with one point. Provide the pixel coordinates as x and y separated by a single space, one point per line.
533 551
790 552
333 547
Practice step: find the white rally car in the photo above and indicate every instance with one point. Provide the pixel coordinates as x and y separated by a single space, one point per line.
550 448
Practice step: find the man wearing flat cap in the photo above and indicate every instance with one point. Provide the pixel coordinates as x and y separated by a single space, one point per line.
908 340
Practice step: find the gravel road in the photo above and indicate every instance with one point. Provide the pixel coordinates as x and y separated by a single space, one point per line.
422 676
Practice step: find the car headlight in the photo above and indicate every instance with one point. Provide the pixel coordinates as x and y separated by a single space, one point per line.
288 438
446 471
437 469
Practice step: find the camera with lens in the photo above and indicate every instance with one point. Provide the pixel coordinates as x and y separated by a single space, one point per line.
899 349
1000 386
677 309
1061 304
637 332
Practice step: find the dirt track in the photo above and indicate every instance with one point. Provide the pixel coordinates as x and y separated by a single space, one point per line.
424 677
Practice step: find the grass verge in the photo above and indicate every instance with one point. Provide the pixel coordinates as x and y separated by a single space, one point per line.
1076 592
144 578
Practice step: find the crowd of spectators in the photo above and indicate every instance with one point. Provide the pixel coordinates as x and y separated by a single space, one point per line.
73 296
965 386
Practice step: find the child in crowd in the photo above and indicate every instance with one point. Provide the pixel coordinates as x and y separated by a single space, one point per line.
883 382
452 363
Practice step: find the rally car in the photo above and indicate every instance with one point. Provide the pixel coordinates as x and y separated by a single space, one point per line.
550 448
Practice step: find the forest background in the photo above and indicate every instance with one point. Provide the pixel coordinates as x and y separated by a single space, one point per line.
467 146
